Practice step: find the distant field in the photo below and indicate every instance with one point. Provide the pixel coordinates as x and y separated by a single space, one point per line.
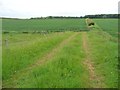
108 25
43 24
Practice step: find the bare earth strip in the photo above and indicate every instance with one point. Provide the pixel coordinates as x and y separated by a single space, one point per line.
95 81
42 61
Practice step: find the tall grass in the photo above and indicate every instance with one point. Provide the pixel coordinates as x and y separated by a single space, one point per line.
66 70
105 57
20 53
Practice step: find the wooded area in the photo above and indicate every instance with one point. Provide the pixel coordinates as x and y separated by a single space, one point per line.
86 16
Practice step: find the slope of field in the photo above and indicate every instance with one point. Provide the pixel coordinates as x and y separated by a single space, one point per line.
43 24
108 25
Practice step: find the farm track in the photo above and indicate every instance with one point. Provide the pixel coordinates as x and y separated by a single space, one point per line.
95 81
15 78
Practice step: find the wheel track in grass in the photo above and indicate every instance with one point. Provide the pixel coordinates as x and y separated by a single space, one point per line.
15 78
53 52
95 81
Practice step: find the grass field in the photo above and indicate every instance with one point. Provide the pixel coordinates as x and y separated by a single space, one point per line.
108 25
43 25
21 52
86 59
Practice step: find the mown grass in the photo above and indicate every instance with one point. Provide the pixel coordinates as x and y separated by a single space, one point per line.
108 25
24 49
66 69
43 24
105 57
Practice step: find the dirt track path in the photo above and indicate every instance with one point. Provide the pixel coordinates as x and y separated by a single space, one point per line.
95 81
52 53
15 78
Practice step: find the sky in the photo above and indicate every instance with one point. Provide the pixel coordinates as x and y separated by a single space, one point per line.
38 8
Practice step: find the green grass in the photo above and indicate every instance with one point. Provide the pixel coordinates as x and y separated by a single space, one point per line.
65 69
105 57
25 49
108 25
104 49
43 24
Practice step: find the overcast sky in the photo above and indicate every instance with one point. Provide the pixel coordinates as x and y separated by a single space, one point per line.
38 8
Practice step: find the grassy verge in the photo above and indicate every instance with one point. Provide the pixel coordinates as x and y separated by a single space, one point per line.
105 57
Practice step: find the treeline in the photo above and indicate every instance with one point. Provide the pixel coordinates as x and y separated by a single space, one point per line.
102 16
73 17
56 17
86 16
